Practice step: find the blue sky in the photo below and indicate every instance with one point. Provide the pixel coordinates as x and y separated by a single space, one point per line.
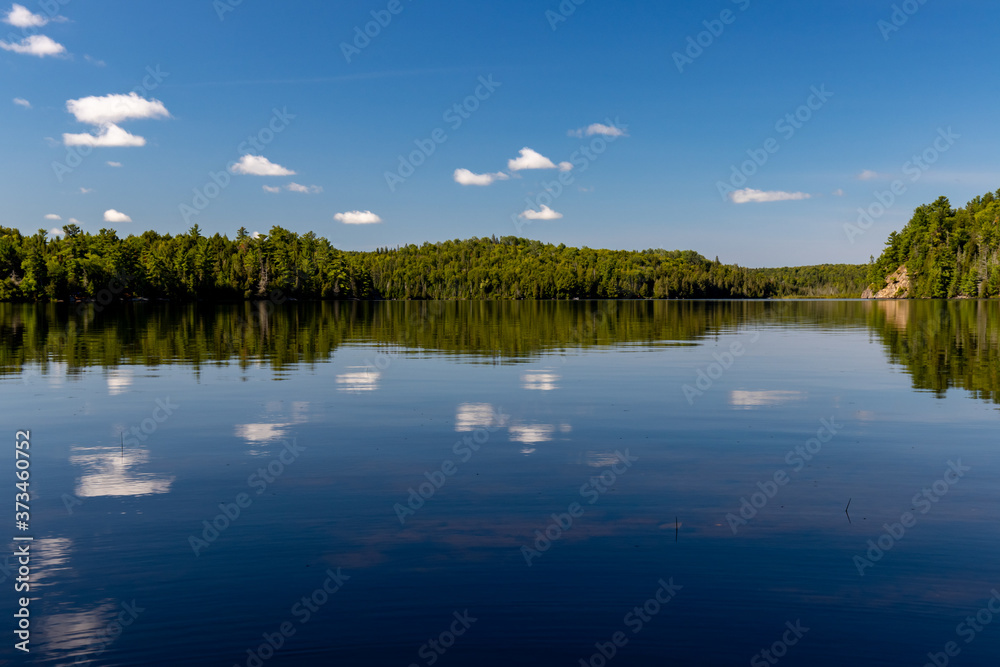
649 141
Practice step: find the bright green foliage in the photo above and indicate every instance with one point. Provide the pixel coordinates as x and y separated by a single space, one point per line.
517 268
184 267
947 252
192 266
820 281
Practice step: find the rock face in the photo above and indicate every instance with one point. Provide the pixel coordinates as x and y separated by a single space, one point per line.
897 286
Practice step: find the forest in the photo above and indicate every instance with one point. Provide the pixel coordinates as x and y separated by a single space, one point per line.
819 281
83 266
948 252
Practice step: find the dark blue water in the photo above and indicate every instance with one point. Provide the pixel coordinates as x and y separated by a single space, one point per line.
396 467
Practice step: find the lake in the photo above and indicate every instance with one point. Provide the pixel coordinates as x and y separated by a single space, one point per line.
530 483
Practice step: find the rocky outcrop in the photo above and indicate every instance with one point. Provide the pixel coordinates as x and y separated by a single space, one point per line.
897 286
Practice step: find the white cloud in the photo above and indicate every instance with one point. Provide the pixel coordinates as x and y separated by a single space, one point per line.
602 459
358 381
473 416
55 231
21 102
304 189
599 128
110 136
119 381
838 192
74 221
545 214
759 196
357 218
540 381
86 191
466 177
53 216
109 109
20 16
112 163
531 434
111 215
105 112
530 159
756 399
94 61
867 175
108 473
35 45
294 187
257 434
258 165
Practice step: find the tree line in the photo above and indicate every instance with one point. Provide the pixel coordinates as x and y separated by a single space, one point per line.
947 252
191 266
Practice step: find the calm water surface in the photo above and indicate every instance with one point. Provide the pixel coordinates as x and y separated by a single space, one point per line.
508 484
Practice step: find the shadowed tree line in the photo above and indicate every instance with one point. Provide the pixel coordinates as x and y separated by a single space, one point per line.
191 266
85 335
942 345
